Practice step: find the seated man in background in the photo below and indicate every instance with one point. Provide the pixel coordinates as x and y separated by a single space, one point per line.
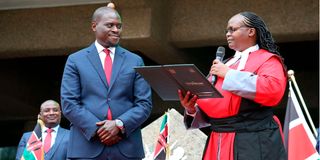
54 138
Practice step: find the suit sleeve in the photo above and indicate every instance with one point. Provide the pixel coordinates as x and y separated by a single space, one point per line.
142 105
266 87
22 145
70 99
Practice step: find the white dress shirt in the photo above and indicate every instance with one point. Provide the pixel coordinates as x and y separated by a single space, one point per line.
53 134
102 55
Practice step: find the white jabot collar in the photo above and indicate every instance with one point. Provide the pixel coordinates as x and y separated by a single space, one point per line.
243 56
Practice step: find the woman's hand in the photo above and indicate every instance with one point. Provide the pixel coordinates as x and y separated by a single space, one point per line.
218 68
188 101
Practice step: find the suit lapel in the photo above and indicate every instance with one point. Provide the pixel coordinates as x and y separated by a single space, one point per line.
94 59
116 66
56 144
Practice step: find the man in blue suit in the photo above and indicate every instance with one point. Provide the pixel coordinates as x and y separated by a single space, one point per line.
105 111
50 114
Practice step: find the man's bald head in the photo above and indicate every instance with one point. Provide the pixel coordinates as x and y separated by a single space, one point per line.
107 26
50 113
101 11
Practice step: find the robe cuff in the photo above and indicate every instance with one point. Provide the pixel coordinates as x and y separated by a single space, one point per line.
241 83
196 121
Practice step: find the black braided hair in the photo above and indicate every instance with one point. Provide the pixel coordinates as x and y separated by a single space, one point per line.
264 37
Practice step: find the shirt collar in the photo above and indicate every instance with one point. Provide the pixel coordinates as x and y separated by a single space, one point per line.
54 128
100 48
243 56
248 50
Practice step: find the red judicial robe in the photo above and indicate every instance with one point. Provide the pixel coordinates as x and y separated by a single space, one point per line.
262 81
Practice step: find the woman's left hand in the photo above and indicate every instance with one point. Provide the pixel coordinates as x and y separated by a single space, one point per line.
188 101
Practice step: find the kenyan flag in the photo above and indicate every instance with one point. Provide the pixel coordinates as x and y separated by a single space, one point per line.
162 151
34 149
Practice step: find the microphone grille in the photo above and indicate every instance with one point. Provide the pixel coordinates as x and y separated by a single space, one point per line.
220 51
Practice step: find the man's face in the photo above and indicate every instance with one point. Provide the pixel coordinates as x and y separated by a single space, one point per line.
50 114
108 29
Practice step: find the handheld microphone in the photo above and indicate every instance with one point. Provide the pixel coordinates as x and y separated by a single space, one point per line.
219 56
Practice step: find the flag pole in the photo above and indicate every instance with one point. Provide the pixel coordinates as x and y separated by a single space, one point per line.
291 77
168 137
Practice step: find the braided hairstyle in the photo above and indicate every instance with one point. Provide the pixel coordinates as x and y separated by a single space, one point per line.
264 37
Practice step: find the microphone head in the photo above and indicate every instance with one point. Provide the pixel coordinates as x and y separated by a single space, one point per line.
219 56
220 52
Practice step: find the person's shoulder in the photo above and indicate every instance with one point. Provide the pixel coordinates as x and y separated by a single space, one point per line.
262 54
267 56
64 134
64 130
83 51
26 134
263 51
122 50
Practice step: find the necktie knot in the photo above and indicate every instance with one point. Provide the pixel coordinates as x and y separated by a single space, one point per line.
49 130
107 51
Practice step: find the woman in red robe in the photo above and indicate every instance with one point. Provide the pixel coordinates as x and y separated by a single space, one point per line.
251 82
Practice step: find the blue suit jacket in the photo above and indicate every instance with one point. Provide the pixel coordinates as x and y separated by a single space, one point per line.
86 96
57 151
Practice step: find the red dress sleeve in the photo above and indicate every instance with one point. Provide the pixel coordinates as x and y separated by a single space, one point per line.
271 82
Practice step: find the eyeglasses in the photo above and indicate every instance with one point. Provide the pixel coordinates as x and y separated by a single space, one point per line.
231 30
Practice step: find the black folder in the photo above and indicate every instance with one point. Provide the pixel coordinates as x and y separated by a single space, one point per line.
167 79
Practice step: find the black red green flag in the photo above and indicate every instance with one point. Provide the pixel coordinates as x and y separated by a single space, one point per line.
34 149
162 150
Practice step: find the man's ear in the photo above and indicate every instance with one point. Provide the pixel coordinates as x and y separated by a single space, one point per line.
93 26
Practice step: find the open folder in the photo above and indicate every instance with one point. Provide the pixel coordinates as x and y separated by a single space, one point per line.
167 79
